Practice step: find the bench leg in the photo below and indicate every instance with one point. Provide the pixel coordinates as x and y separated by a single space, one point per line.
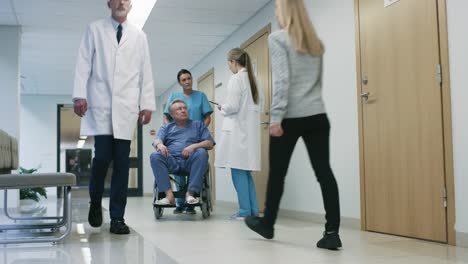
7 214
66 221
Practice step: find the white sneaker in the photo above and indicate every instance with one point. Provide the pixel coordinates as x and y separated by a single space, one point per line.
236 216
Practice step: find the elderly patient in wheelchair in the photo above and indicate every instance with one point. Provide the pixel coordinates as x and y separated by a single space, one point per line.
181 147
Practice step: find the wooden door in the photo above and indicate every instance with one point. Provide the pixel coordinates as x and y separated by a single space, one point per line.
206 85
257 48
402 125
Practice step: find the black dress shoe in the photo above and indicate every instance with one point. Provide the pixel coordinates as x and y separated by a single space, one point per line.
95 215
330 240
256 224
190 210
178 210
119 227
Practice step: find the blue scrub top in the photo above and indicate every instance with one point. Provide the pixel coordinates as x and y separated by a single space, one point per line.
197 104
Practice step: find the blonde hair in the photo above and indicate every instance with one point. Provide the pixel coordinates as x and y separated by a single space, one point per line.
243 58
292 16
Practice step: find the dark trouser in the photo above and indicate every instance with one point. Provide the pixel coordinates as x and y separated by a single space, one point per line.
106 149
181 181
315 130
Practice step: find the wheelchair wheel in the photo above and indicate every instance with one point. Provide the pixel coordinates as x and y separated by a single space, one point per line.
208 200
209 183
206 203
158 212
205 210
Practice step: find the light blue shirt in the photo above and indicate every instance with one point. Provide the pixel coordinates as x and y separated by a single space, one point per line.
116 24
197 104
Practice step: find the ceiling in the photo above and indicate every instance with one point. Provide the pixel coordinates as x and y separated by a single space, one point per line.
180 34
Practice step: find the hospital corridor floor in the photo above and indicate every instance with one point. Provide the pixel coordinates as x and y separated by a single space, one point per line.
191 239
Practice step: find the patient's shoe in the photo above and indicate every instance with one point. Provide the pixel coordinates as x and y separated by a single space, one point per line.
256 224
164 201
330 240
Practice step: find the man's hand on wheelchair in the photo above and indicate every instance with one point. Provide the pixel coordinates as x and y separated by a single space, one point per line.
188 151
163 150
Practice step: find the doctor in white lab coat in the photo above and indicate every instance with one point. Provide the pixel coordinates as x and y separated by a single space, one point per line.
239 147
113 89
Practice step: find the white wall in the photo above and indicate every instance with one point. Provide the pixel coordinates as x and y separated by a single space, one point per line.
334 22
302 192
9 79
9 89
39 131
458 55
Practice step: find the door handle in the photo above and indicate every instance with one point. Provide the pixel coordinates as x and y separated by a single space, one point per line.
365 95
264 123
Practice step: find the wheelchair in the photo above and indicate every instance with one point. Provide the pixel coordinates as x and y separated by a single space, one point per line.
205 203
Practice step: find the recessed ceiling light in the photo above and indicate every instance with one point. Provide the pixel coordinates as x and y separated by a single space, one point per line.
141 9
80 143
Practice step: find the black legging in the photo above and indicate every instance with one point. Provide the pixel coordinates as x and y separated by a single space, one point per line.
315 130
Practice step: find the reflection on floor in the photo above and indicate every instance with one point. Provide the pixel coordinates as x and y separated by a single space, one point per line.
190 239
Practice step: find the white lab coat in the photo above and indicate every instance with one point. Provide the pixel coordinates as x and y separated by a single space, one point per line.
115 79
239 145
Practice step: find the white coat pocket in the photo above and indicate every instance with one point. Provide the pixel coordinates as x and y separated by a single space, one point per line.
228 124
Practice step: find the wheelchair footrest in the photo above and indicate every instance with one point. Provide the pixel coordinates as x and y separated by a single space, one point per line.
174 206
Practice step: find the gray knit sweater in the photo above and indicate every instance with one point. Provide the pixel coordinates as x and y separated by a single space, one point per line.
297 80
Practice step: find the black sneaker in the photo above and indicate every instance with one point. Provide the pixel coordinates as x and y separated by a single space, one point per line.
330 241
190 210
119 227
256 224
95 215
178 210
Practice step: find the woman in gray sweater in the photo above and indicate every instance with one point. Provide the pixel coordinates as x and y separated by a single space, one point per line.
297 110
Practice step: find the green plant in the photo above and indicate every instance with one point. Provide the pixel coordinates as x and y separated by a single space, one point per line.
31 193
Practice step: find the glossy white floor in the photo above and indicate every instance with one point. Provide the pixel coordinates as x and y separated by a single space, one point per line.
190 239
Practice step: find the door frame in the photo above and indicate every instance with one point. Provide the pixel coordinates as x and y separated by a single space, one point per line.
265 30
261 32
206 74
446 118
131 192
213 173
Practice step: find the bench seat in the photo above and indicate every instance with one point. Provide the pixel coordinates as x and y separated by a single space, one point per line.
35 229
